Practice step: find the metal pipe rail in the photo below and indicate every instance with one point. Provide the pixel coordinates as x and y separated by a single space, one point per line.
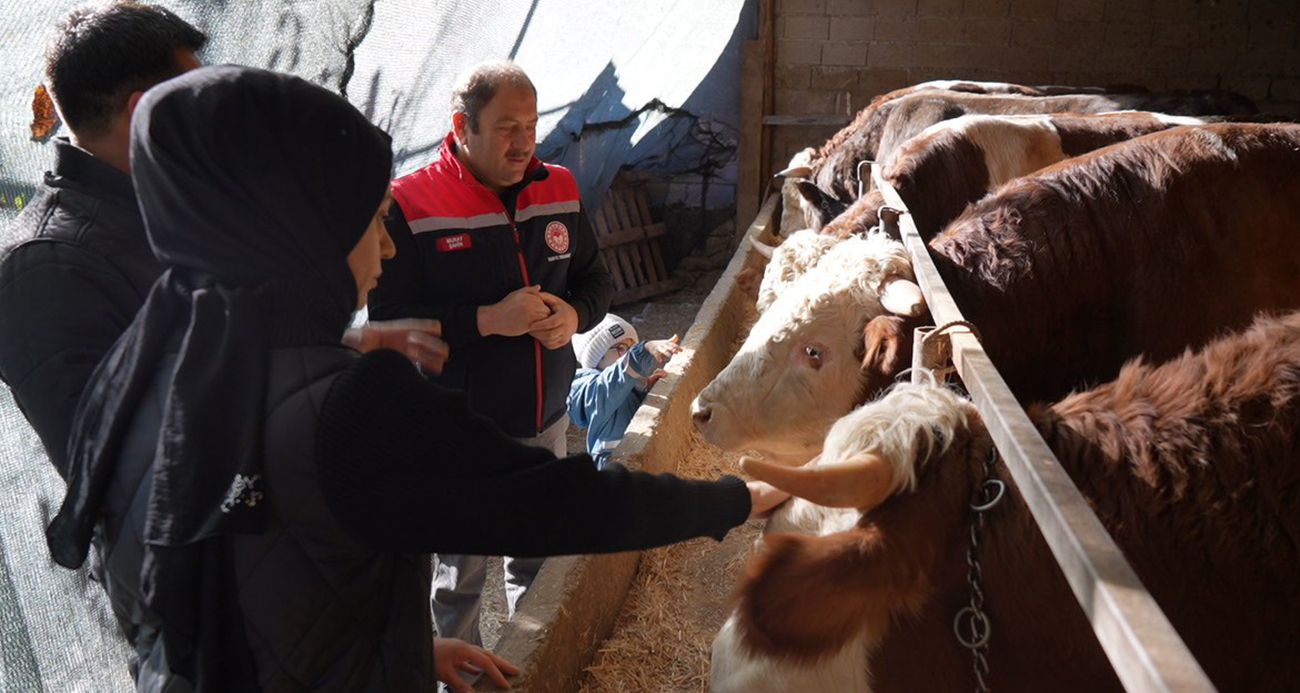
1146 652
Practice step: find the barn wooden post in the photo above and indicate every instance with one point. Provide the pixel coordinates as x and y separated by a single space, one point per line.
756 98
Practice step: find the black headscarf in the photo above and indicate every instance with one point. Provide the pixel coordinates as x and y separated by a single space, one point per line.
254 186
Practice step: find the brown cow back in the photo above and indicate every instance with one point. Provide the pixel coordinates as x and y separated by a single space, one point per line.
1146 247
939 173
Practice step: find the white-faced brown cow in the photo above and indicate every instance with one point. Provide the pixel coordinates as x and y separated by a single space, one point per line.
1146 247
833 173
1193 466
814 326
956 162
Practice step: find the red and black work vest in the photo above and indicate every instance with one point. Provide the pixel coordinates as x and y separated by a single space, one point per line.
466 246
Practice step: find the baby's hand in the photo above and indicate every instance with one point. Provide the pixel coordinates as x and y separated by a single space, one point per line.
663 349
655 377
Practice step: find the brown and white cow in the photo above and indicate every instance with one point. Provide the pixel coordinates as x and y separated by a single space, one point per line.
956 162
1193 466
1146 247
951 164
834 174
844 145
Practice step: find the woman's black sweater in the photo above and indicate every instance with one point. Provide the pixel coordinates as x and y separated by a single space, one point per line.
406 466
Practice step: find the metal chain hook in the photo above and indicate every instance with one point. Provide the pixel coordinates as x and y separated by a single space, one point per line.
971 625
858 172
936 353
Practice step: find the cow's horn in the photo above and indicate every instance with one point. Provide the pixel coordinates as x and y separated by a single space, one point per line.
762 247
862 481
902 297
795 172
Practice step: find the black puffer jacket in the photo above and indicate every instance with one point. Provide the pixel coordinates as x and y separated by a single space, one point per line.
70 287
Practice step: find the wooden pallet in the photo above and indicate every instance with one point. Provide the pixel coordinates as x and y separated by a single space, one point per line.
629 243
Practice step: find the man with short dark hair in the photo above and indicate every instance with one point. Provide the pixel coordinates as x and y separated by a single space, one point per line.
84 267
494 243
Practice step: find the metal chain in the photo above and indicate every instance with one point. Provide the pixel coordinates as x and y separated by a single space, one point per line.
971 625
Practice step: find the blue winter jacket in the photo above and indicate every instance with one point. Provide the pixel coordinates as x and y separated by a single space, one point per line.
604 402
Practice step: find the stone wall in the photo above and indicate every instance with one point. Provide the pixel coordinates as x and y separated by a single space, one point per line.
832 56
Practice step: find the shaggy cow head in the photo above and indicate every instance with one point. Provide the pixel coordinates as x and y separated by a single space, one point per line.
800 252
811 608
805 363
874 452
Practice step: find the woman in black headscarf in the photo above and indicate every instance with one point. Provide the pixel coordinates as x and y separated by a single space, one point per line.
261 496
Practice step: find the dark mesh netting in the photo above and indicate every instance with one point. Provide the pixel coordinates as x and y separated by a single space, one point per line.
646 86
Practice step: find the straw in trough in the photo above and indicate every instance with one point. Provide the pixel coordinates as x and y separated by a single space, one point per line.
662 638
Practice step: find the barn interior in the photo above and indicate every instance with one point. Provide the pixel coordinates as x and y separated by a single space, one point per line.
674 117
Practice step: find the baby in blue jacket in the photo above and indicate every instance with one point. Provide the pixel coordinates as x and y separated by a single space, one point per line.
615 372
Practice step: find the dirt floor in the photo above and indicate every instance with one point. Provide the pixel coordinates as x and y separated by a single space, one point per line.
659 317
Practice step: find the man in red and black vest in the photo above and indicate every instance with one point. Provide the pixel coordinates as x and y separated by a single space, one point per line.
493 243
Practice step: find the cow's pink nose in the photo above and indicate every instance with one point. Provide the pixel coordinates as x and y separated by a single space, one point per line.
702 415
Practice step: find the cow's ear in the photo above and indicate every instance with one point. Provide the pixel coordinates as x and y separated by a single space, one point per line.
812 193
887 342
816 207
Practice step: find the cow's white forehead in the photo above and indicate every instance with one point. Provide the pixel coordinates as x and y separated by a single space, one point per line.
845 281
790 261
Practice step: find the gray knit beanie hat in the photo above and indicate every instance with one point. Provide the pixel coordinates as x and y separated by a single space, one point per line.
590 346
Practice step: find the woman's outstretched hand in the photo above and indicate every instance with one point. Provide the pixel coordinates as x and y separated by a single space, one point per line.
763 499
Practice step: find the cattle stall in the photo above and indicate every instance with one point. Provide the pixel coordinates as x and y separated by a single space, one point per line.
586 624
572 608
1142 646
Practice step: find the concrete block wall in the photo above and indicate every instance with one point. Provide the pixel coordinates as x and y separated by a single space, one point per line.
833 56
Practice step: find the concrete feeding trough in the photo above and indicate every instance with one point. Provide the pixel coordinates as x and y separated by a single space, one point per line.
575 601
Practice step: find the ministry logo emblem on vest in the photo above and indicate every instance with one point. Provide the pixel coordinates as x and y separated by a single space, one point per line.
557 237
